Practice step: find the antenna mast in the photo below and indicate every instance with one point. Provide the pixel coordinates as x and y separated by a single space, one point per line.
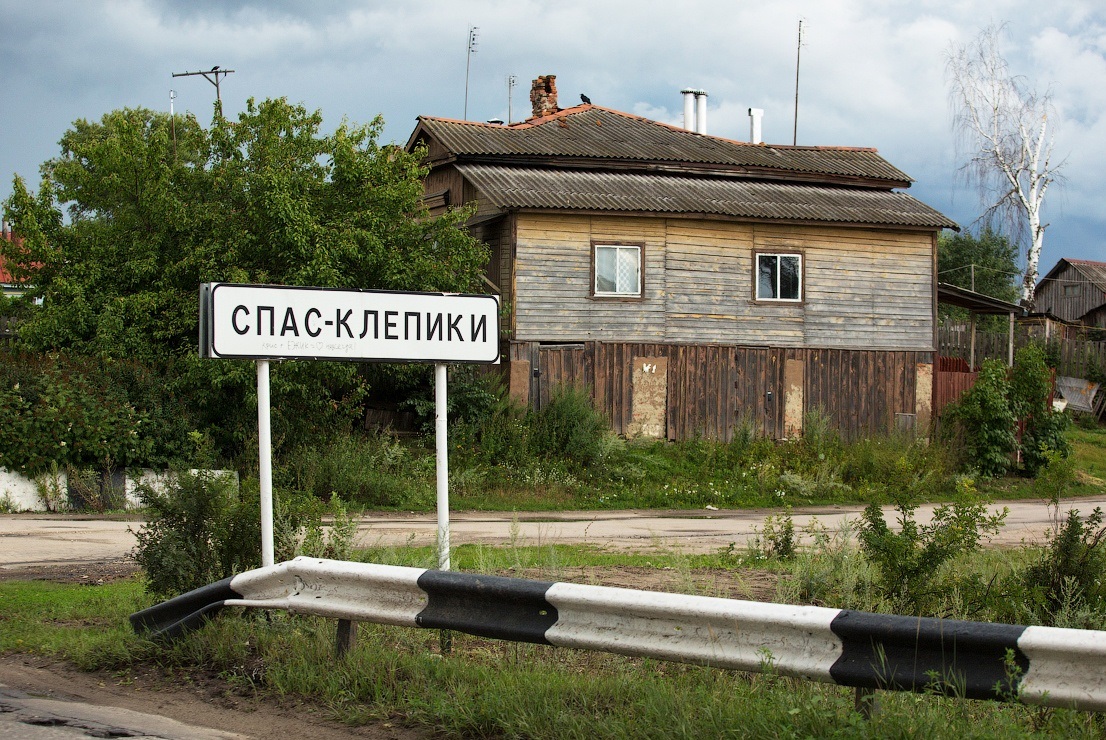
512 80
214 72
474 31
173 121
798 56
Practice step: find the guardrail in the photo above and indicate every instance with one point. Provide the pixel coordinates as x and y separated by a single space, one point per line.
976 660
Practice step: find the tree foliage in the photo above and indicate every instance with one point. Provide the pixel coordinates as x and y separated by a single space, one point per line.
992 255
985 262
139 209
1003 124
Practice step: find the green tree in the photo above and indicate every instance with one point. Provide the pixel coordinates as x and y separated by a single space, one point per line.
139 209
994 259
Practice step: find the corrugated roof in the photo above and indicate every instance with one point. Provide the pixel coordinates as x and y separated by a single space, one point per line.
1093 271
526 187
593 133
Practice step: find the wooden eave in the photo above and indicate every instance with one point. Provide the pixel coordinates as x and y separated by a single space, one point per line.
718 217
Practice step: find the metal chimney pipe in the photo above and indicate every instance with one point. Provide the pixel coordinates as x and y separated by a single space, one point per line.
755 117
689 108
700 111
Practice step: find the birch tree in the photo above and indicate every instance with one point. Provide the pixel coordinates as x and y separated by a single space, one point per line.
1002 123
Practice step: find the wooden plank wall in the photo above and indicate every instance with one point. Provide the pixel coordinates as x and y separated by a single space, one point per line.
864 288
714 388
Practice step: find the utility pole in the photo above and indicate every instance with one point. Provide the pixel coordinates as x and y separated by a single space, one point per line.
798 55
474 31
215 72
512 80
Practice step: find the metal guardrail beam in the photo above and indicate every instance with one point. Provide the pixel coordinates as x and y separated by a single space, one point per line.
976 660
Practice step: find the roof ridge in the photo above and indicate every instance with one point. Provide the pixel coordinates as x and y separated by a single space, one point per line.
585 107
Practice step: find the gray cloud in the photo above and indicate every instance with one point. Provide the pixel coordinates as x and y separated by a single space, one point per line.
872 74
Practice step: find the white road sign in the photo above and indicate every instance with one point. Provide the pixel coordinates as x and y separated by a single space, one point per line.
275 322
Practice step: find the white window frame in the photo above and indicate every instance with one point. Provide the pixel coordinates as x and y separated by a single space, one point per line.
625 291
778 256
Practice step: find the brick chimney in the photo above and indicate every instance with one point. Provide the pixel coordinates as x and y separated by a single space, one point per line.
543 95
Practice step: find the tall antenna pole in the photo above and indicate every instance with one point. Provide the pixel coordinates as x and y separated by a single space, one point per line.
798 56
173 121
473 33
512 80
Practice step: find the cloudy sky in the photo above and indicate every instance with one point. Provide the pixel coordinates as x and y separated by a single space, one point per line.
872 72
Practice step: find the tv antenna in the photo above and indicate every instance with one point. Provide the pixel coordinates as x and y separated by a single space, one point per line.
211 75
798 56
474 32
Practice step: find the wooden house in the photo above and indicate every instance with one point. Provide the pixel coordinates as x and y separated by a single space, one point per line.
1075 292
694 283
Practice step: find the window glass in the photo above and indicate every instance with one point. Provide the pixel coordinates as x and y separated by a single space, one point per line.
779 277
768 275
789 278
617 270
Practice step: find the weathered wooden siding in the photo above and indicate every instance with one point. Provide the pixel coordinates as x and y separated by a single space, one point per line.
712 389
861 391
863 289
1050 296
553 280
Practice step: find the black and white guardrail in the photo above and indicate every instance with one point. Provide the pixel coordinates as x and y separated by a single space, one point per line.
1041 665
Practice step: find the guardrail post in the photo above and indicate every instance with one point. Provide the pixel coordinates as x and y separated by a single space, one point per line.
865 702
347 637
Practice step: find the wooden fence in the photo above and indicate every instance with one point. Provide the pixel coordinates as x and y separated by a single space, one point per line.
1078 358
713 389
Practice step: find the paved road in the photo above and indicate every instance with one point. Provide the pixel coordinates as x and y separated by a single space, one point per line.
27 717
40 539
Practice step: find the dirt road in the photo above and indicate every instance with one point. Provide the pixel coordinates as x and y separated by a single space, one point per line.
34 539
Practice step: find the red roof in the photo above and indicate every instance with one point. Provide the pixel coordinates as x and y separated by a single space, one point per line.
5 276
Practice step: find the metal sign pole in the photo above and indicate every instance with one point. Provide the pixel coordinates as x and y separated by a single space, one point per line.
265 461
442 450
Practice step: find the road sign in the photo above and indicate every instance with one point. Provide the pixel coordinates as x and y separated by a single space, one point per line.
275 322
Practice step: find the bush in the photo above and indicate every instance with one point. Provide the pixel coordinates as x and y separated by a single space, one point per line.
372 470
82 412
1030 385
1069 574
909 561
983 422
202 528
198 531
569 428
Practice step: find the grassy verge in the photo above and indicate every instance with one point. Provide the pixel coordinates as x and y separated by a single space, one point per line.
383 473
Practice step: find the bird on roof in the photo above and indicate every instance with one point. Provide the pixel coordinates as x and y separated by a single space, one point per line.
586 100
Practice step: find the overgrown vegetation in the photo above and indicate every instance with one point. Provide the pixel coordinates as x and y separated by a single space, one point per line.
488 688
201 528
984 423
266 198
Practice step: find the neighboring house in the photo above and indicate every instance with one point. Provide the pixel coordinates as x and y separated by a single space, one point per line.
693 283
9 286
1075 292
